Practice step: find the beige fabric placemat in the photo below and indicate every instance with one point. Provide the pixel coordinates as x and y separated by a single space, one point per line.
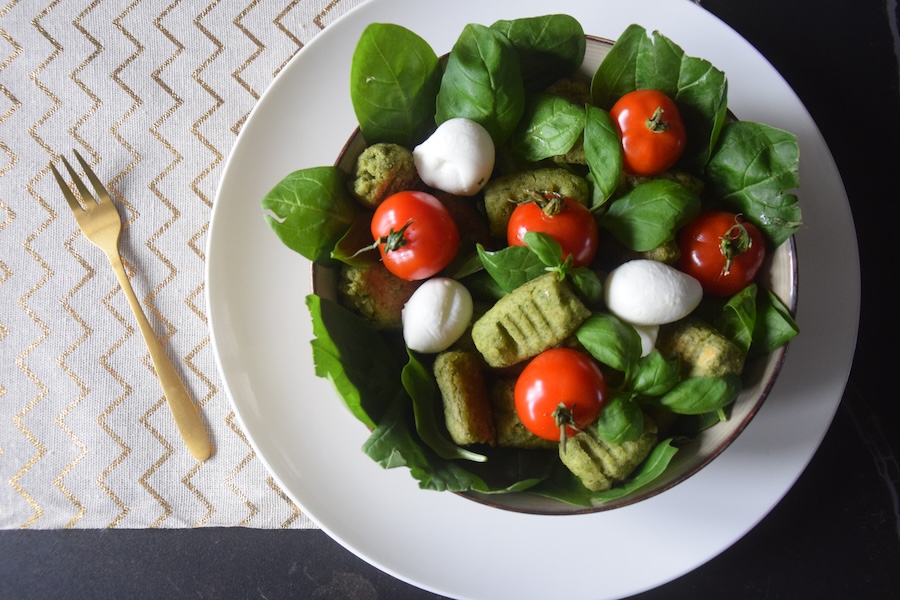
153 94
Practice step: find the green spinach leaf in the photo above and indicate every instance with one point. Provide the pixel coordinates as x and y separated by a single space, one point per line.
483 82
311 210
351 354
650 214
394 80
550 127
549 46
752 170
421 387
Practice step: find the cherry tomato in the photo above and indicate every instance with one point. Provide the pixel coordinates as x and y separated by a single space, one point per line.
560 389
564 219
415 234
722 251
653 134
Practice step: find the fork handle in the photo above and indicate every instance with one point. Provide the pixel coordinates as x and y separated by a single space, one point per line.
187 416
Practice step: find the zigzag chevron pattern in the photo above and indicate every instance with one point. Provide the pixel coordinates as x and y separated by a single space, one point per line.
153 94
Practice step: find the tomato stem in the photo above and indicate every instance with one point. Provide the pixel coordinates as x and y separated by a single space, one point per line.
655 123
551 203
735 242
564 417
392 241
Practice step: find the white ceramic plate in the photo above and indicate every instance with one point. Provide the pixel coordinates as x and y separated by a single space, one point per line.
442 542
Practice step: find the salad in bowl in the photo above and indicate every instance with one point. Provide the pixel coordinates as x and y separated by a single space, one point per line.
552 273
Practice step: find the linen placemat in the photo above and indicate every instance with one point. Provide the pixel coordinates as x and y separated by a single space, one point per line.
153 94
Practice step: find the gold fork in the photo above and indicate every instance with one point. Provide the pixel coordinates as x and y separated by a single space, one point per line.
100 222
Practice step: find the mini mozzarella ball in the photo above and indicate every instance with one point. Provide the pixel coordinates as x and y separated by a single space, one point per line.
436 315
648 292
458 158
648 335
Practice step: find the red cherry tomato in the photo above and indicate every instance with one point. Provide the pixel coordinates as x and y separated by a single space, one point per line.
564 219
653 134
560 388
722 251
415 234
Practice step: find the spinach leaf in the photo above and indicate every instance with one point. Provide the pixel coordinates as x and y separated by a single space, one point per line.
641 61
650 469
421 387
650 214
751 171
394 80
774 325
483 82
611 341
699 395
549 46
603 152
550 127
312 210
351 354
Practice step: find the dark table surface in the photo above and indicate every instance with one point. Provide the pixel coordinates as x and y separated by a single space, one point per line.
836 534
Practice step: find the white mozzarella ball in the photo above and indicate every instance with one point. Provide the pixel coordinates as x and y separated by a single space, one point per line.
648 292
436 315
458 157
648 335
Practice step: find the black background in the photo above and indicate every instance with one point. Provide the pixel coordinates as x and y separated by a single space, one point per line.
836 534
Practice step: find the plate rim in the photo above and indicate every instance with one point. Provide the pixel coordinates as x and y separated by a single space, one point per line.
217 339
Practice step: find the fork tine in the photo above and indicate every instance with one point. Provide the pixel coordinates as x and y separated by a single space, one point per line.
67 191
102 194
86 196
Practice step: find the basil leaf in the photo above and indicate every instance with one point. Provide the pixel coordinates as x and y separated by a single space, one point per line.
641 61
603 152
621 419
654 466
611 341
649 215
483 82
654 375
699 395
394 80
752 170
775 326
550 127
422 388
588 285
545 247
738 318
351 354
512 266
549 47
312 210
